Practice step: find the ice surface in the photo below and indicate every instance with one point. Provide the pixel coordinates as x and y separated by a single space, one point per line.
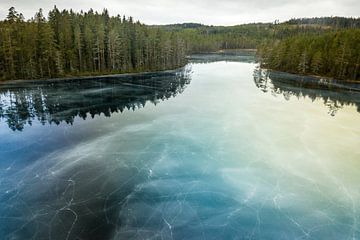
217 160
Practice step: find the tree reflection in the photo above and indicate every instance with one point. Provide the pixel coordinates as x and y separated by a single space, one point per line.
335 95
56 101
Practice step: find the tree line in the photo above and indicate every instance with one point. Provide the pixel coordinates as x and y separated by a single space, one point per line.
335 22
202 38
68 43
333 54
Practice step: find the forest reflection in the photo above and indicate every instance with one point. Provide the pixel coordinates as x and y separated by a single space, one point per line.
334 96
56 101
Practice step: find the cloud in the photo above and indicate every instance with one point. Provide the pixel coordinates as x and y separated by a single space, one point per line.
225 12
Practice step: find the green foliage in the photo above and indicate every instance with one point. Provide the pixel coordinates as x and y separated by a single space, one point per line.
201 38
335 22
334 54
69 43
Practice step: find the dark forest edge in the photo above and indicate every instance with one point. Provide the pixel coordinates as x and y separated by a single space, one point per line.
334 54
74 44
68 44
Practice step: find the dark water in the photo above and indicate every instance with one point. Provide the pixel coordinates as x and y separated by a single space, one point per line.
216 150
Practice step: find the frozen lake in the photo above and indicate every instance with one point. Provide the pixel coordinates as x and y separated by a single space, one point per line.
212 151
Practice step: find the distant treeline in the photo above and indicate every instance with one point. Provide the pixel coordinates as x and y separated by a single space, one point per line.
336 22
202 38
68 43
335 54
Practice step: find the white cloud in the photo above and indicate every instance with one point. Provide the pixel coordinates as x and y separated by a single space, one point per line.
225 12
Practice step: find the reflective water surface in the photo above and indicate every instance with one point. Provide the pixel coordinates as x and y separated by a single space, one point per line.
54 101
214 150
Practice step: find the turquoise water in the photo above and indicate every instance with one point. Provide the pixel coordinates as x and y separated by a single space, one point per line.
211 151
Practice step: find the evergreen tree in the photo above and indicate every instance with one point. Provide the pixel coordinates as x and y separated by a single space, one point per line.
69 43
335 54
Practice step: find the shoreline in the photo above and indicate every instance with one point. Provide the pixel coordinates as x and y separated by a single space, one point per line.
313 81
104 75
236 50
87 77
317 76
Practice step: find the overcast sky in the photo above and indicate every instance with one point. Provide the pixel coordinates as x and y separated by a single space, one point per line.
212 12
